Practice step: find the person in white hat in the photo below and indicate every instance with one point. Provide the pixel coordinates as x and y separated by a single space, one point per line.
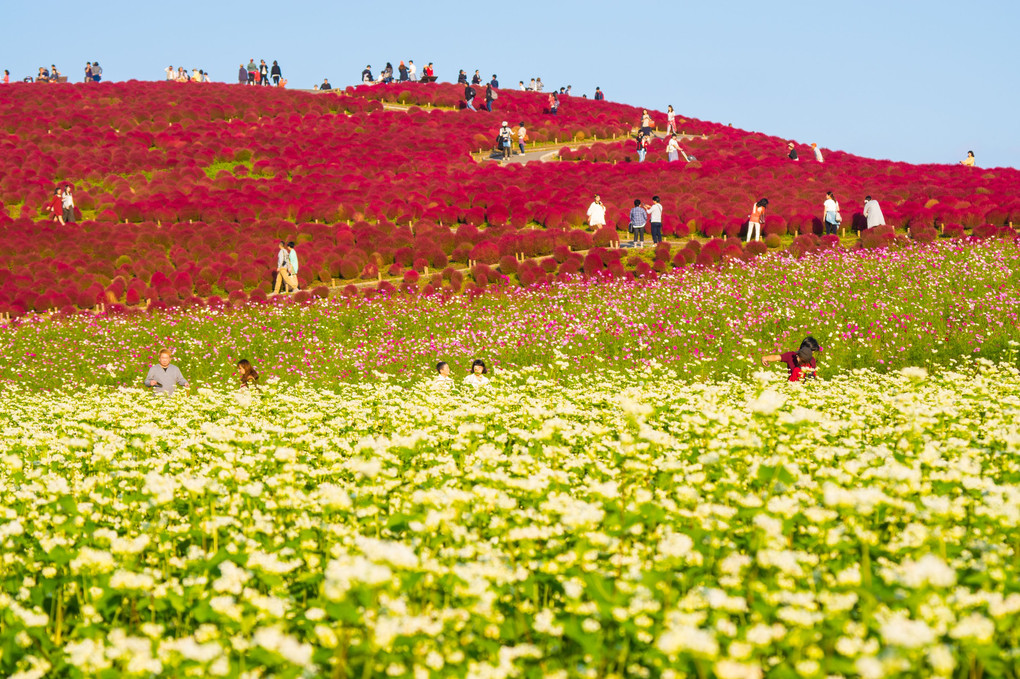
506 139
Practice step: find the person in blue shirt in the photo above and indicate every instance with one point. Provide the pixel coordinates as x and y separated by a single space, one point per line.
494 82
638 219
598 94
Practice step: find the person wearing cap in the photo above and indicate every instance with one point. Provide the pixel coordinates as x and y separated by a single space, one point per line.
506 140
792 151
801 363
818 152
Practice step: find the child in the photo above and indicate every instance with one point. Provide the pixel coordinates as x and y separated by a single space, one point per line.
801 363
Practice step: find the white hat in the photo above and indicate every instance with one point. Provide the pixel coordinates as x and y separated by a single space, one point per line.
504 123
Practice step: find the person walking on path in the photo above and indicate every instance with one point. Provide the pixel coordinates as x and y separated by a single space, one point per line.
282 260
506 140
792 149
56 206
830 214
801 363
672 150
638 219
522 136
969 160
164 377
873 212
469 97
670 120
818 152
655 219
756 219
596 213
67 203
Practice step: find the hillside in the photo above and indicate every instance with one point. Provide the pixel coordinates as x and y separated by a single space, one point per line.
182 191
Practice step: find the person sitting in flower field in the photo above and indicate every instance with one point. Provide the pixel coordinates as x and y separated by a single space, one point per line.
248 375
477 377
442 380
801 363
165 377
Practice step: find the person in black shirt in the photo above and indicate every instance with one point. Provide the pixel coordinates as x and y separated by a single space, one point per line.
325 84
469 96
276 73
462 78
366 75
793 151
476 79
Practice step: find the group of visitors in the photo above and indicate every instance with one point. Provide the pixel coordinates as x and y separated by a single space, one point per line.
642 215
506 136
403 73
286 268
164 377
674 149
93 74
181 75
491 90
260 74
475 378
791 152
62 205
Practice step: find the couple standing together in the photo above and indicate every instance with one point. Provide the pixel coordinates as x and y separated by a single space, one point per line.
286 268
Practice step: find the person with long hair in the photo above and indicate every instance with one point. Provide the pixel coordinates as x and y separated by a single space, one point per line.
477 376
801 363
830 214
248 375
756 219
670 120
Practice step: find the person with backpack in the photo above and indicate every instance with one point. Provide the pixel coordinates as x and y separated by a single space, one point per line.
469 97
506 140
830 214
756 219
599 96
801 363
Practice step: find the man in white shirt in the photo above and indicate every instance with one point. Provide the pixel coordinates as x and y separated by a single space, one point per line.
655 219
169 70
873 212
412 71
442 381
596 213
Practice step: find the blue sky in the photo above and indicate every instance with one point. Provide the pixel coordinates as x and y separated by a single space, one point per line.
900 79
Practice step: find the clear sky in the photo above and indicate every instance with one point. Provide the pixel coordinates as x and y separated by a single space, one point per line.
914 80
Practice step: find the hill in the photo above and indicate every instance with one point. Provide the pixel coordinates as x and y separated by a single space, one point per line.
182 191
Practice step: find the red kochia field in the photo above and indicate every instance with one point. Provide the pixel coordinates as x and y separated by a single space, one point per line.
182 191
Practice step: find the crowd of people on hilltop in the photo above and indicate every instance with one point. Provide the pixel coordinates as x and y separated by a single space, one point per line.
402 73
260 74
181 75
93 74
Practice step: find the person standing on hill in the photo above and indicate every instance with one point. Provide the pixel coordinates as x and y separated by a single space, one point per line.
646 123
402 72
494 82
252 70
672 149
818 153
164 377
263 73
522 136
67 201
655 219
275 73
830 214
490 95
873 212
670 120
756 219
412 71
599 96
469 97
638 219
597 213
554 103
242 75
325 86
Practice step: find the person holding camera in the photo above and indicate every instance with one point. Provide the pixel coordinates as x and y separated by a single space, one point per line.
801 363
756 219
